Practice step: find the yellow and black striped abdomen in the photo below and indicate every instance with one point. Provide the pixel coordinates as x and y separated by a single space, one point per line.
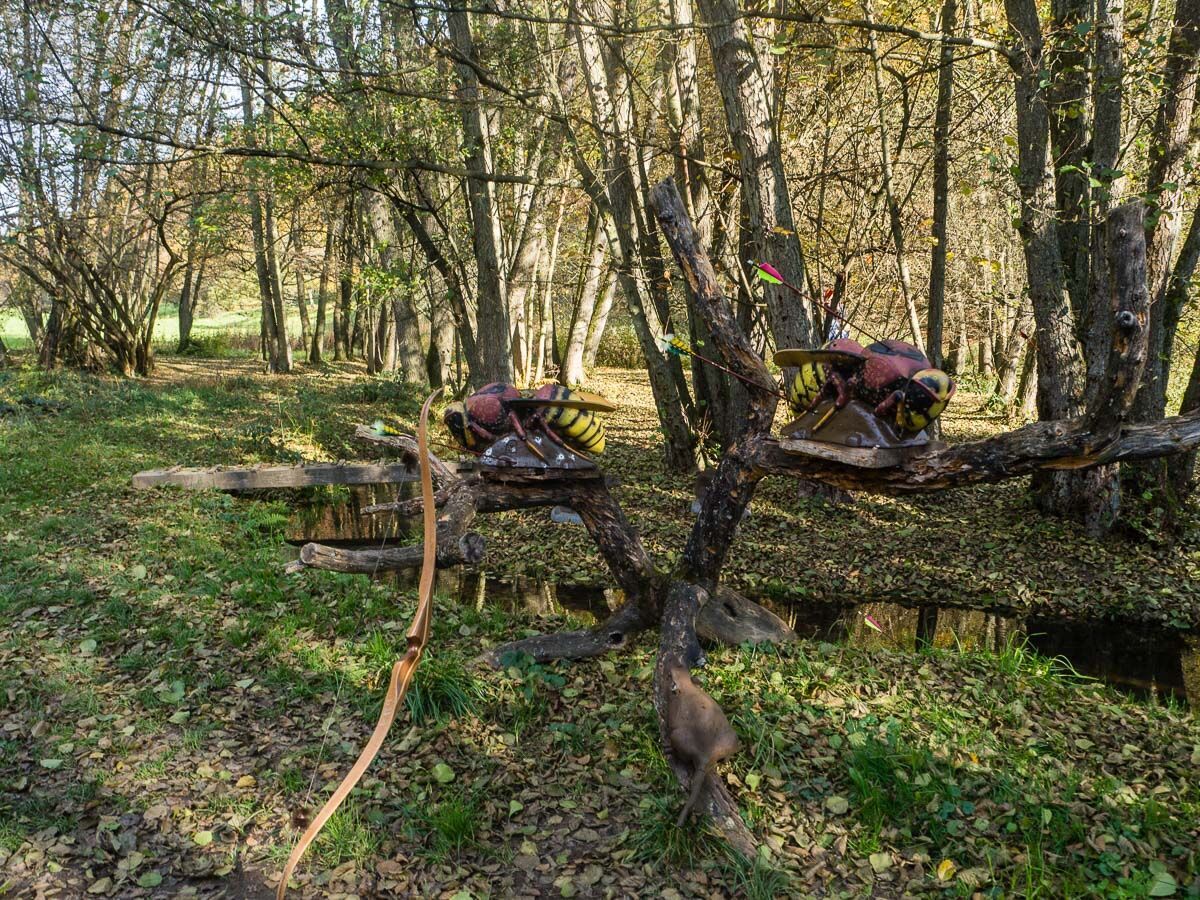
805 385
580 429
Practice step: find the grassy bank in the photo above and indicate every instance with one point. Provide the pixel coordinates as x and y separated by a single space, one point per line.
170 694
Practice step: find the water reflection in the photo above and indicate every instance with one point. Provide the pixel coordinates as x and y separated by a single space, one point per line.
531 596
1135 657
334 516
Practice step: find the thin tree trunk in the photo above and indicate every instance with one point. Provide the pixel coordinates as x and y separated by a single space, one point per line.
587 292
546 314
302 305
889 191
441 339
599 320
186 299
941 188
281 360
986 360
297 248
350 330
318 332
494 330
626 236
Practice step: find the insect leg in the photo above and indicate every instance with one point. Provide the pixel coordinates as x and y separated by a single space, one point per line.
523 434
480 432
842 387
888 404
825 418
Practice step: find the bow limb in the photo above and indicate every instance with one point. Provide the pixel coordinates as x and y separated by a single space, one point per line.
420 625
402 671
401 676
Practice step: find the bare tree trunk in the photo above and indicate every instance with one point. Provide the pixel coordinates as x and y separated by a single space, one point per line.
599 320
297 247
1024 403
1169 149
546 314
186 299
385 338
494 329
985 360
592 276
960 350
1012 350
318 332
345 300
520 289
1181 469
302 305
402 327
889 190
626 235
1105 152
941 188
281 357
1060 369
441 339
1067 96
1059 364
677 65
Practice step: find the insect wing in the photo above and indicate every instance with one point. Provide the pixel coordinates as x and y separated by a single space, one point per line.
788 358
577 400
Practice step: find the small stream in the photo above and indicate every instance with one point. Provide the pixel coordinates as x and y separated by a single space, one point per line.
1135 657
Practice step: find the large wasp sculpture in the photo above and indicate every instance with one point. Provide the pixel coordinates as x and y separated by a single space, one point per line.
566 417
894 378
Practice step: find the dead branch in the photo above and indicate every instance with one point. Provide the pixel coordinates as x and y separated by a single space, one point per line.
407 446
468 550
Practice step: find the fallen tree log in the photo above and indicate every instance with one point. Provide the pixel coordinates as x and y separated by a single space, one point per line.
468 550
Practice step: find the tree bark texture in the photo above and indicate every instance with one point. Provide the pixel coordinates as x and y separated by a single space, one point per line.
494 327
1170 145
941 189
626 235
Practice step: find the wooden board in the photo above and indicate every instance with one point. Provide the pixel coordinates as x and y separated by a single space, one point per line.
863 457
261 477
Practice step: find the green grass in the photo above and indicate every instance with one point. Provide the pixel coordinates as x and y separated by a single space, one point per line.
346 837
222 333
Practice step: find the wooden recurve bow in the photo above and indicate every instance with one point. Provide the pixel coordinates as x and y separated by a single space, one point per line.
402 671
